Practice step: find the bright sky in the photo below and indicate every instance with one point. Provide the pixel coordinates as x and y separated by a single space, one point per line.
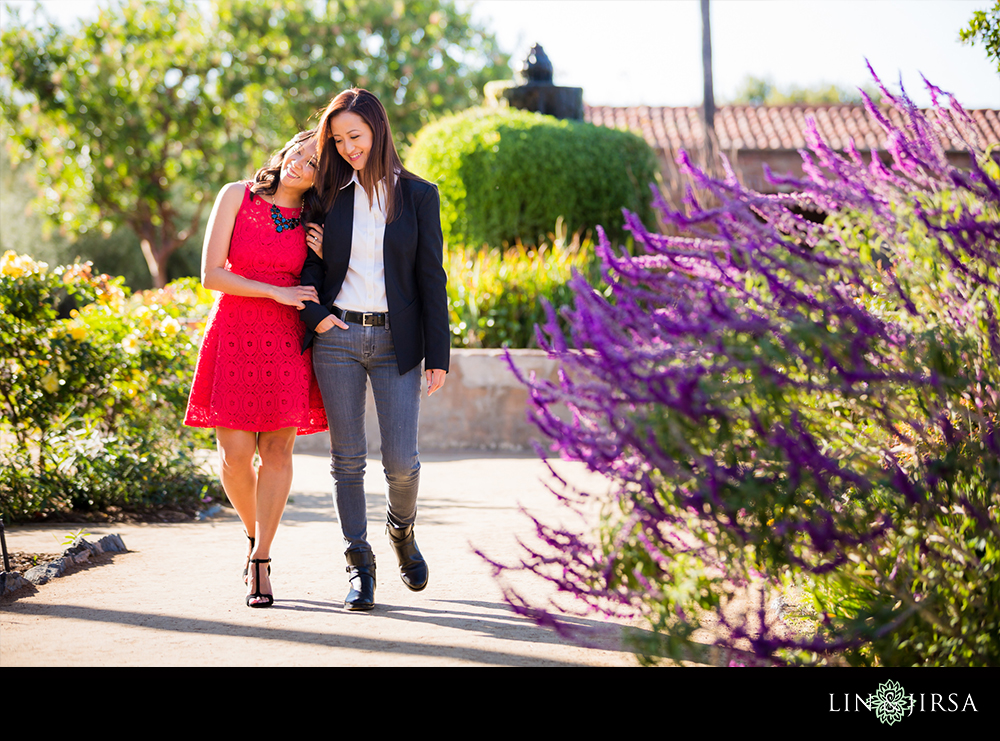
632 52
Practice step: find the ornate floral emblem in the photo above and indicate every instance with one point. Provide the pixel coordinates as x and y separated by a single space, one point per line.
890 702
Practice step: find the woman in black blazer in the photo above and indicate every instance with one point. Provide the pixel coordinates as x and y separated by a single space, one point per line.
382 309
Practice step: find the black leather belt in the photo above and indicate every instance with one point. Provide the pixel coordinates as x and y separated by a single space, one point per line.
365 319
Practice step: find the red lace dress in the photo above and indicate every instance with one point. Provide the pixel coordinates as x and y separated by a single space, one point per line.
251 374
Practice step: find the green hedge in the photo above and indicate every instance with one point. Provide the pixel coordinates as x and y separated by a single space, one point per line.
506 176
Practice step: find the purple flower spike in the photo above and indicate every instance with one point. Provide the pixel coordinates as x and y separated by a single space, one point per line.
774 398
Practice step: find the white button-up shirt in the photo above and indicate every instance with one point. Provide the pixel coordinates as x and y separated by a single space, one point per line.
364 284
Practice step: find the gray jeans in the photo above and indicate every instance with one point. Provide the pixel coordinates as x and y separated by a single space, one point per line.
344 360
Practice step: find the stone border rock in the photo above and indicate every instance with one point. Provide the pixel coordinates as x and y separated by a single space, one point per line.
78 553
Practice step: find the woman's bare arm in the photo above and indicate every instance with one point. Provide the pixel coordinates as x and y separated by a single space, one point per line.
215 253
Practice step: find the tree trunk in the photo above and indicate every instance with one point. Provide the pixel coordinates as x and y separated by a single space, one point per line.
159 244
156 261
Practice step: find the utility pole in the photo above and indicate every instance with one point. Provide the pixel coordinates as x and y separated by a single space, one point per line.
706 63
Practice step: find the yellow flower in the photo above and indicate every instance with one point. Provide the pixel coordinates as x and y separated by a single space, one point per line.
77 331
50 382
11 264
16 265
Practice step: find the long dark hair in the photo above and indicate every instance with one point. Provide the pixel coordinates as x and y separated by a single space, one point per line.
335 172
265 180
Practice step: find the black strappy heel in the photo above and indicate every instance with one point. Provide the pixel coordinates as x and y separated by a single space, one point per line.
246 568
257 595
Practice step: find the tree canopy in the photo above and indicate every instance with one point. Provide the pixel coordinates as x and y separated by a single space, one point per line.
421 58
984 29
762 91
154 105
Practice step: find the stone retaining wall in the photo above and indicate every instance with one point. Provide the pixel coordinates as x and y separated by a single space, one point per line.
482 406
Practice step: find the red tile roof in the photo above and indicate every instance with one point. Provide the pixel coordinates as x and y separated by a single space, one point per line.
746 127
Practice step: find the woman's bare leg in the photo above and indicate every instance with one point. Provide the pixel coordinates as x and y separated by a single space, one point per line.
239 479
274 481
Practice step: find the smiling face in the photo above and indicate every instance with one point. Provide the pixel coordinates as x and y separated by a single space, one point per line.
353 138
299 165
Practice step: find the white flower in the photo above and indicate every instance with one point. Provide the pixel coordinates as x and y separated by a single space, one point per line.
131 344
170 326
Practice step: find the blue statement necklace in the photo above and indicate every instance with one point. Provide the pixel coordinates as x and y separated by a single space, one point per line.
281 222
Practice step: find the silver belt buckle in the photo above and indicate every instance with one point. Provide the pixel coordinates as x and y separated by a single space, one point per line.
367 320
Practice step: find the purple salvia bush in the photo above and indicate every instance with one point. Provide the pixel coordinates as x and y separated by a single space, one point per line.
781 403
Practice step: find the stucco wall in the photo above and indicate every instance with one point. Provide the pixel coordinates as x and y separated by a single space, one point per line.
482 406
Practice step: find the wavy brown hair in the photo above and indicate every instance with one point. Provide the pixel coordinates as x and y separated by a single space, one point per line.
335 172
265 180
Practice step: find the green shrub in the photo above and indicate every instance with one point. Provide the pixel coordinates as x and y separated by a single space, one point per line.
93 385
496 296
507 175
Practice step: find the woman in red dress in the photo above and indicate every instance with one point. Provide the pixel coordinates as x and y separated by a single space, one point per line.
252 383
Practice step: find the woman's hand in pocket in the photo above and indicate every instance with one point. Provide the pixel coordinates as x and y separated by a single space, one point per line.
329 323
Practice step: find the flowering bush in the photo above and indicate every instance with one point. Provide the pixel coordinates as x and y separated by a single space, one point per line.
93 383
792 408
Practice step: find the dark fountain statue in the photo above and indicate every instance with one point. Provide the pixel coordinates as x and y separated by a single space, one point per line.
537 93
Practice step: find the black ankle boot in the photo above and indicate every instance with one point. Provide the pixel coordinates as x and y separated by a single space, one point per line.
361 570
412 567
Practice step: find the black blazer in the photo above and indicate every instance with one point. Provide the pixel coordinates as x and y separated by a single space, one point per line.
415 281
